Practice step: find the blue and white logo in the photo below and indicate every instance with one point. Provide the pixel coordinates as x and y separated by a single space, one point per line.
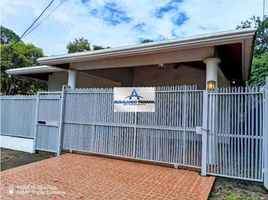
134 94
134 99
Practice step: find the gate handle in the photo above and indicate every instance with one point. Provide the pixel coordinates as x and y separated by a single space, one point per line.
200 130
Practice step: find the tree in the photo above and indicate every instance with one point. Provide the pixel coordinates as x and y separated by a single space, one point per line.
146 41
261 41
259 67
8 35
98 47
81 45
78 45
14 56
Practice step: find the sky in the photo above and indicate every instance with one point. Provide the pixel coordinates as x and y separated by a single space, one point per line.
117 23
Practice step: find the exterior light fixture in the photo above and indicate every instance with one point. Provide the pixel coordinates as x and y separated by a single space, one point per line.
211 85
235 82
160 66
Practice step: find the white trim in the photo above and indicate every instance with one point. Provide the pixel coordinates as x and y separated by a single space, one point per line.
34 70
167 45
17 143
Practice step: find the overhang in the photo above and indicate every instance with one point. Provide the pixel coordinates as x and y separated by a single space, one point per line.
213 39
234 48
40 72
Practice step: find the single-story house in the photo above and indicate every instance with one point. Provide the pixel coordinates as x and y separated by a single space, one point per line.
222 58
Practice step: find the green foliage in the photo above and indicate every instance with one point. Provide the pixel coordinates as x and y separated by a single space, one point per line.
235 196
259 67
19 55
261 41
78 45
146 41
97 47
8 35
81 45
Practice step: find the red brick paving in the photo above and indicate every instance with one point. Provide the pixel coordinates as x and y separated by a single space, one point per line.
73 176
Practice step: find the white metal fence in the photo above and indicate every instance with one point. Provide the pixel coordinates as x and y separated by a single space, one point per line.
18 115
233 123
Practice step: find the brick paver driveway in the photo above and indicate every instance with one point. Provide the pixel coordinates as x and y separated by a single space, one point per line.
73 176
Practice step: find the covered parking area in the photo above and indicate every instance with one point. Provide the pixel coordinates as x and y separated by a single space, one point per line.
223 58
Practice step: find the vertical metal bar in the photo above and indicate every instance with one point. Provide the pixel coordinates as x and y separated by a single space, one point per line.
265 134
204 134
62 103
220 131
248 128
253 143
256 133
234 132
36 122
184 117
135 134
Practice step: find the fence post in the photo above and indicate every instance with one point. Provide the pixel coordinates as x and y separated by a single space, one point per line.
62 103
204 134
265 134
36 122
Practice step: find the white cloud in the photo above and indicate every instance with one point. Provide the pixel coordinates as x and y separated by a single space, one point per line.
74 19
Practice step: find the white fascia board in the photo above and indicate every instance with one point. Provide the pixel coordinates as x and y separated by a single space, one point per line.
167 45
33 70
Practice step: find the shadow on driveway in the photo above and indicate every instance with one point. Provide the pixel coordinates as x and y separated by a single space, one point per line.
11 158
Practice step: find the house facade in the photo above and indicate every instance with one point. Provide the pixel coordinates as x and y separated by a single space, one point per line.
223 58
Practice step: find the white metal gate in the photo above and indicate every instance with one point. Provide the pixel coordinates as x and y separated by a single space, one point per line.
166 135
48 115
235 133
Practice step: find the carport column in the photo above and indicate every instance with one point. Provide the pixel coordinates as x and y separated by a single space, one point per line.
72 78
212 83
212 70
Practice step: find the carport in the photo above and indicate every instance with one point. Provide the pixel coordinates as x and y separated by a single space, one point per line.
223 58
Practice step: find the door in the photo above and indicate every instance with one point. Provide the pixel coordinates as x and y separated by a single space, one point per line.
47 121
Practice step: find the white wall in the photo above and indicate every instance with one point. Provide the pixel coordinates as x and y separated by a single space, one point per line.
138 76
16 143
183 75
57 79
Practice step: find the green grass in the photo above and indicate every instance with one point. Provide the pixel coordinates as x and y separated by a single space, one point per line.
234 196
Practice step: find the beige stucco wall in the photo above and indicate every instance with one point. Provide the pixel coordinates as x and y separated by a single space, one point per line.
138 76
183 75
57 79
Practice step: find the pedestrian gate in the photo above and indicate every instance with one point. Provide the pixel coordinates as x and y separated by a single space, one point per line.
48 121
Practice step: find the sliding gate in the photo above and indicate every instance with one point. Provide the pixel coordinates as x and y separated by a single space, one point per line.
232 119
167 135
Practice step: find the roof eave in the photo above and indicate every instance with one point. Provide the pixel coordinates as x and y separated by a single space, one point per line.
169 45
33 70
